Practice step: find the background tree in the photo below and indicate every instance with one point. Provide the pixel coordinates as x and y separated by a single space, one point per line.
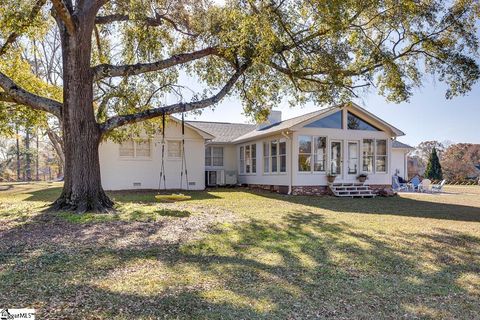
423 152
459 161
120 58
434 169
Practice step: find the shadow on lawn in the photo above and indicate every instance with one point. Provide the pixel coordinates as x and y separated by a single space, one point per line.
140 196
398 206
299 267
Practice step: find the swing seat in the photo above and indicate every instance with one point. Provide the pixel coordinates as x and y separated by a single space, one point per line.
172 197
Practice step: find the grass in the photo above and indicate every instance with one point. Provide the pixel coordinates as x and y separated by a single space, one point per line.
239 254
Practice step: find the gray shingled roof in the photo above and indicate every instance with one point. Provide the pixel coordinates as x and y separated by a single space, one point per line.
280 126
400 145
223 131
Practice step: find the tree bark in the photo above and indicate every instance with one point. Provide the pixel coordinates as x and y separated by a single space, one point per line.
17 151
82 190
28 157
58 146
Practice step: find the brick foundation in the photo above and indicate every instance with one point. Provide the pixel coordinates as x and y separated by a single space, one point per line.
271 188
309 190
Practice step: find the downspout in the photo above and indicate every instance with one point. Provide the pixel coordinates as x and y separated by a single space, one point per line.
291 163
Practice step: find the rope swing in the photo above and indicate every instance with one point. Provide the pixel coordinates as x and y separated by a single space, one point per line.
184 159
162 166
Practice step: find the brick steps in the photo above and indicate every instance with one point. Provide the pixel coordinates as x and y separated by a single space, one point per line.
353 190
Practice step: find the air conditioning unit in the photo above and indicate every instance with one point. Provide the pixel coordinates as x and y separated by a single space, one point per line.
215 178
230 177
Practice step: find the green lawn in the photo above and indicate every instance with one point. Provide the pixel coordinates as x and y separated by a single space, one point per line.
238 254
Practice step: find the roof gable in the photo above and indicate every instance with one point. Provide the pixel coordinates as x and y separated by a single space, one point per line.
237 132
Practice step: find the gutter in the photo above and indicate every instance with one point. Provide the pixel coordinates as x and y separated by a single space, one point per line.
291 162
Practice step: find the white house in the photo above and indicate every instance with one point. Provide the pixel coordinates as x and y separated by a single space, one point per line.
290 156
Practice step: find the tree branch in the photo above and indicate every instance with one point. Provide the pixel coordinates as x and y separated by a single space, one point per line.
16 94
149 21
65 15
106 70
14 35
119 121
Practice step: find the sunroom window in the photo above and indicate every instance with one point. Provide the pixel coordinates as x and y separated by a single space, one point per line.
248 158
274 156
355 123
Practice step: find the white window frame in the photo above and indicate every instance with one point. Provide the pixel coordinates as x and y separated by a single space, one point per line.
135 156
312 154
375 156
269 158
381 155
169 157
209 149
243 163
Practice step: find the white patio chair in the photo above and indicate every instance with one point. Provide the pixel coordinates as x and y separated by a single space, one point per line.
397 186
438 187
425 185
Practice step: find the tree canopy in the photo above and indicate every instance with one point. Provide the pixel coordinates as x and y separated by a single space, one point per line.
260 51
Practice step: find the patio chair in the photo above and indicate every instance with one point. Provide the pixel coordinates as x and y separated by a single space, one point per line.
397 185
425 185
438 187
415 183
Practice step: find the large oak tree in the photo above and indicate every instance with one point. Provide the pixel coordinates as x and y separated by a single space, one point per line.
120 58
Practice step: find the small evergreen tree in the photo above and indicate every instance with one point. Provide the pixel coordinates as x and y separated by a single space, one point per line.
434 169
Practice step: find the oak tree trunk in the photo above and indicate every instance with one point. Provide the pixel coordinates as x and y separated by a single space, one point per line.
82 190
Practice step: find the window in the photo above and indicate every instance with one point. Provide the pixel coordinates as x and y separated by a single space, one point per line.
319 153
312 148
127 149
381 156
266 157
242 159
333 121
375 153
368 155
274 153
214 156
142 148
274 156
304 153
174 149
138 148
355 123
282 155
248 159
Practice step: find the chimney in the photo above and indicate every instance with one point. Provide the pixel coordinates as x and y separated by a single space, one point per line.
275 116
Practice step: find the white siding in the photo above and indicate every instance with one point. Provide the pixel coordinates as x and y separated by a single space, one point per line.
279 179
122 174
399 162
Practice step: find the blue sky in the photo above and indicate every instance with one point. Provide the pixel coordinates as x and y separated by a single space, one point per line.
428 115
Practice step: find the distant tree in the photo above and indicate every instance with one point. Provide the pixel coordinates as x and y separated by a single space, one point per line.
459 161
425 148
434 169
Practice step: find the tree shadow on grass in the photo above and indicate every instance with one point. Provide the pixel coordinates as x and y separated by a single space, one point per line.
301 266
397 206
127 196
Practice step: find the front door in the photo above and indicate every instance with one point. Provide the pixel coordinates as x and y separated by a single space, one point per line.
353 160
336 158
